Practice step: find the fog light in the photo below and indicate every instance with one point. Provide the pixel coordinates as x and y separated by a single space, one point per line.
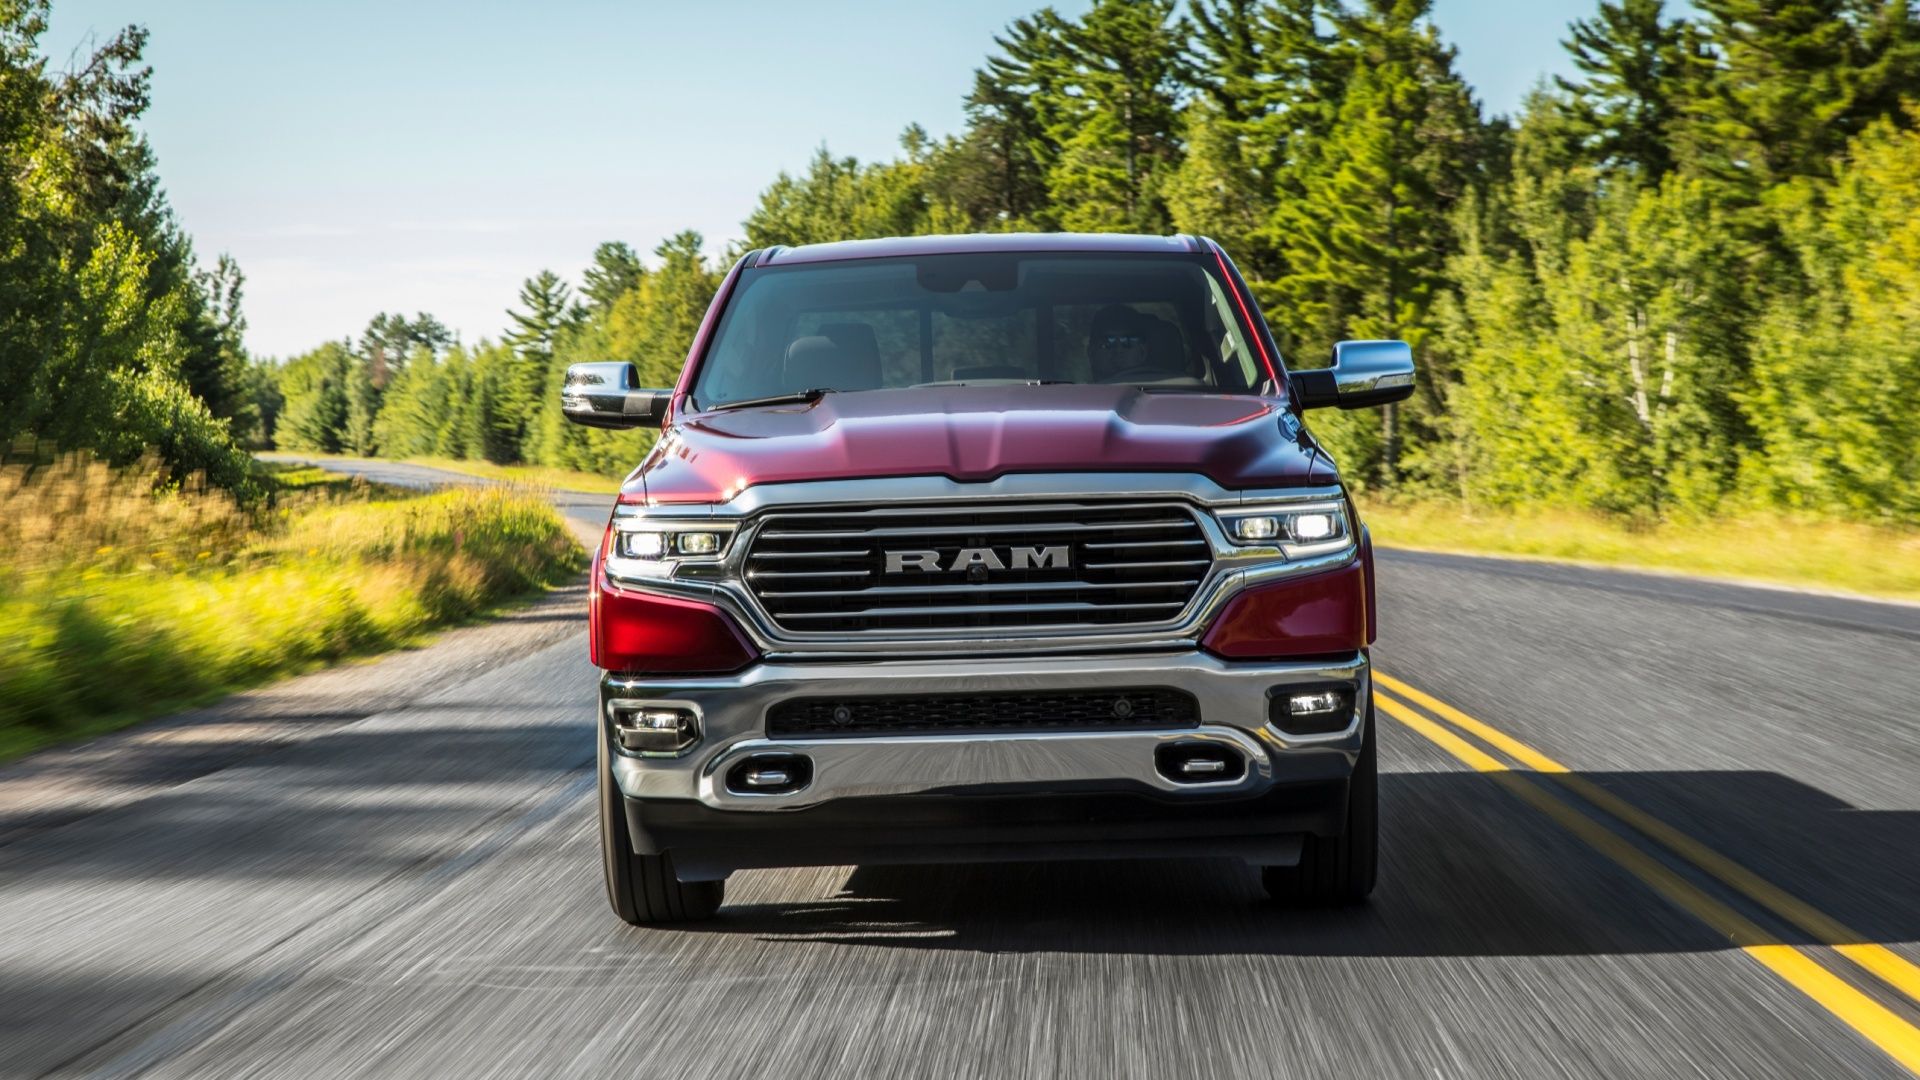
1316 711
655 731
697 543
1316 704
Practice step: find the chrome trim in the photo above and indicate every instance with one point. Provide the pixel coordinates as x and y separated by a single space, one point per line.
989 588
1139 486
984 530
964 609
914 765
1295 550
873 523
1232 701
630 568
1361 368
1236 566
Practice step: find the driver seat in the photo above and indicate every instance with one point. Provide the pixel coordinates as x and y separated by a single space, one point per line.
842 356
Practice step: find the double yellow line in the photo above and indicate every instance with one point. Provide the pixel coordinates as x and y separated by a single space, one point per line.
1880 1025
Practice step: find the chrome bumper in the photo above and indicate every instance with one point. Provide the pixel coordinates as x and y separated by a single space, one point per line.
732 714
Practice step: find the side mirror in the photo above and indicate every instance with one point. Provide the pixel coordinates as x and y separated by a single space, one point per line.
606 396
1363 373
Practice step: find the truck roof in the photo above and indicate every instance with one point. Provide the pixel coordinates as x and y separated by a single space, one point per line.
976 243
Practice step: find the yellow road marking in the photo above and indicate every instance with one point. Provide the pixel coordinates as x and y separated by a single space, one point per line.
1890 967
1874 1021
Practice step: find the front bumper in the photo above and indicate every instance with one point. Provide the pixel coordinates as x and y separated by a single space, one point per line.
893 798
732 710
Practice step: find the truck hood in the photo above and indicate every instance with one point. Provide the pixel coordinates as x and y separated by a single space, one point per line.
977 433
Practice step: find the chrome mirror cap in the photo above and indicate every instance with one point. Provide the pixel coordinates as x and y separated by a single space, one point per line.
608 395
1364 373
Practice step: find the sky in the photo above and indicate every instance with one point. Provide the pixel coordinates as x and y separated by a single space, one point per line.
360 157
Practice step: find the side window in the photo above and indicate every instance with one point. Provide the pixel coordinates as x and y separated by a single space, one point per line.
1227 341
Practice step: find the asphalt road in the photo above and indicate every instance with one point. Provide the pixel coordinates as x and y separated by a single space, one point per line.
392 870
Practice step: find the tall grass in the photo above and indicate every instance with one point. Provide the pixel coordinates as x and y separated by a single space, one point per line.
1871 560
117 603
539 476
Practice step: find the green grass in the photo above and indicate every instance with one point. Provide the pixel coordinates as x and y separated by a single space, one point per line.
532 476
1876 561
117 605
541 476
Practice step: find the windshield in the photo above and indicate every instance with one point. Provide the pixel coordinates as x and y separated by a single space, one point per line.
1139 320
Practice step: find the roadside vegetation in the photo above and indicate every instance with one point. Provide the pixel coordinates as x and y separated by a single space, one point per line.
114 337
1846 557
537 476
541 476
117 603
1674 288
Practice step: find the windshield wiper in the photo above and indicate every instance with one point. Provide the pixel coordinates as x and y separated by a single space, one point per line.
812 395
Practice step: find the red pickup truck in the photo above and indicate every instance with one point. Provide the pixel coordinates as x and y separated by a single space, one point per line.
973 548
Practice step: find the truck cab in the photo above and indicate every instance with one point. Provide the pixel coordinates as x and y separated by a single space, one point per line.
981 548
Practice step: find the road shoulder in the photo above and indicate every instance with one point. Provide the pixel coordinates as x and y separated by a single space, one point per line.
1837 610
64 784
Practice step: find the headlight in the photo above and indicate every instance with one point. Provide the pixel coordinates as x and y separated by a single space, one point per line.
1300 530
644 547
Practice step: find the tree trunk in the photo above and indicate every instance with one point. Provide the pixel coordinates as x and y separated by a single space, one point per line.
1635 368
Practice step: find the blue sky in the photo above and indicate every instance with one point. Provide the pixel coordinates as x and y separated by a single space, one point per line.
357 157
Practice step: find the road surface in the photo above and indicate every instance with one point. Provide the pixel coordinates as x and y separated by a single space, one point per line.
391 869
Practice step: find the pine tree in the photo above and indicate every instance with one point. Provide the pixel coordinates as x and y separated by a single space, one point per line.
549 314
1637 67
1795 79
1836 435
1128 70
1025 91
1216 191
811 208
990 177
1270 82
1367 242
616 271
390 340
315 386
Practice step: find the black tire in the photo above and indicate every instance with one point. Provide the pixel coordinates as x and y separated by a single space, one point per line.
1336 871
642 888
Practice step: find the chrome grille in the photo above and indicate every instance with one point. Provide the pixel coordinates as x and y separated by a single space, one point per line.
827 571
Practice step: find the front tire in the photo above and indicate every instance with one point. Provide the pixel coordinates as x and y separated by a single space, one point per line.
643 888
1337 871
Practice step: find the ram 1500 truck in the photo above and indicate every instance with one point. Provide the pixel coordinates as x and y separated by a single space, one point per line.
973 548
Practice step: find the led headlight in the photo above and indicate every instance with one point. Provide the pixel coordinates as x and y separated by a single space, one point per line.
640 545
696 543
653 548
1300 531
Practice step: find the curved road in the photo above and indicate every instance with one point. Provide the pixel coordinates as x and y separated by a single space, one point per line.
1634 827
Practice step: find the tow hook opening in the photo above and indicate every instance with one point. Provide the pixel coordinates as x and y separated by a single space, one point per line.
770 774
1199 762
